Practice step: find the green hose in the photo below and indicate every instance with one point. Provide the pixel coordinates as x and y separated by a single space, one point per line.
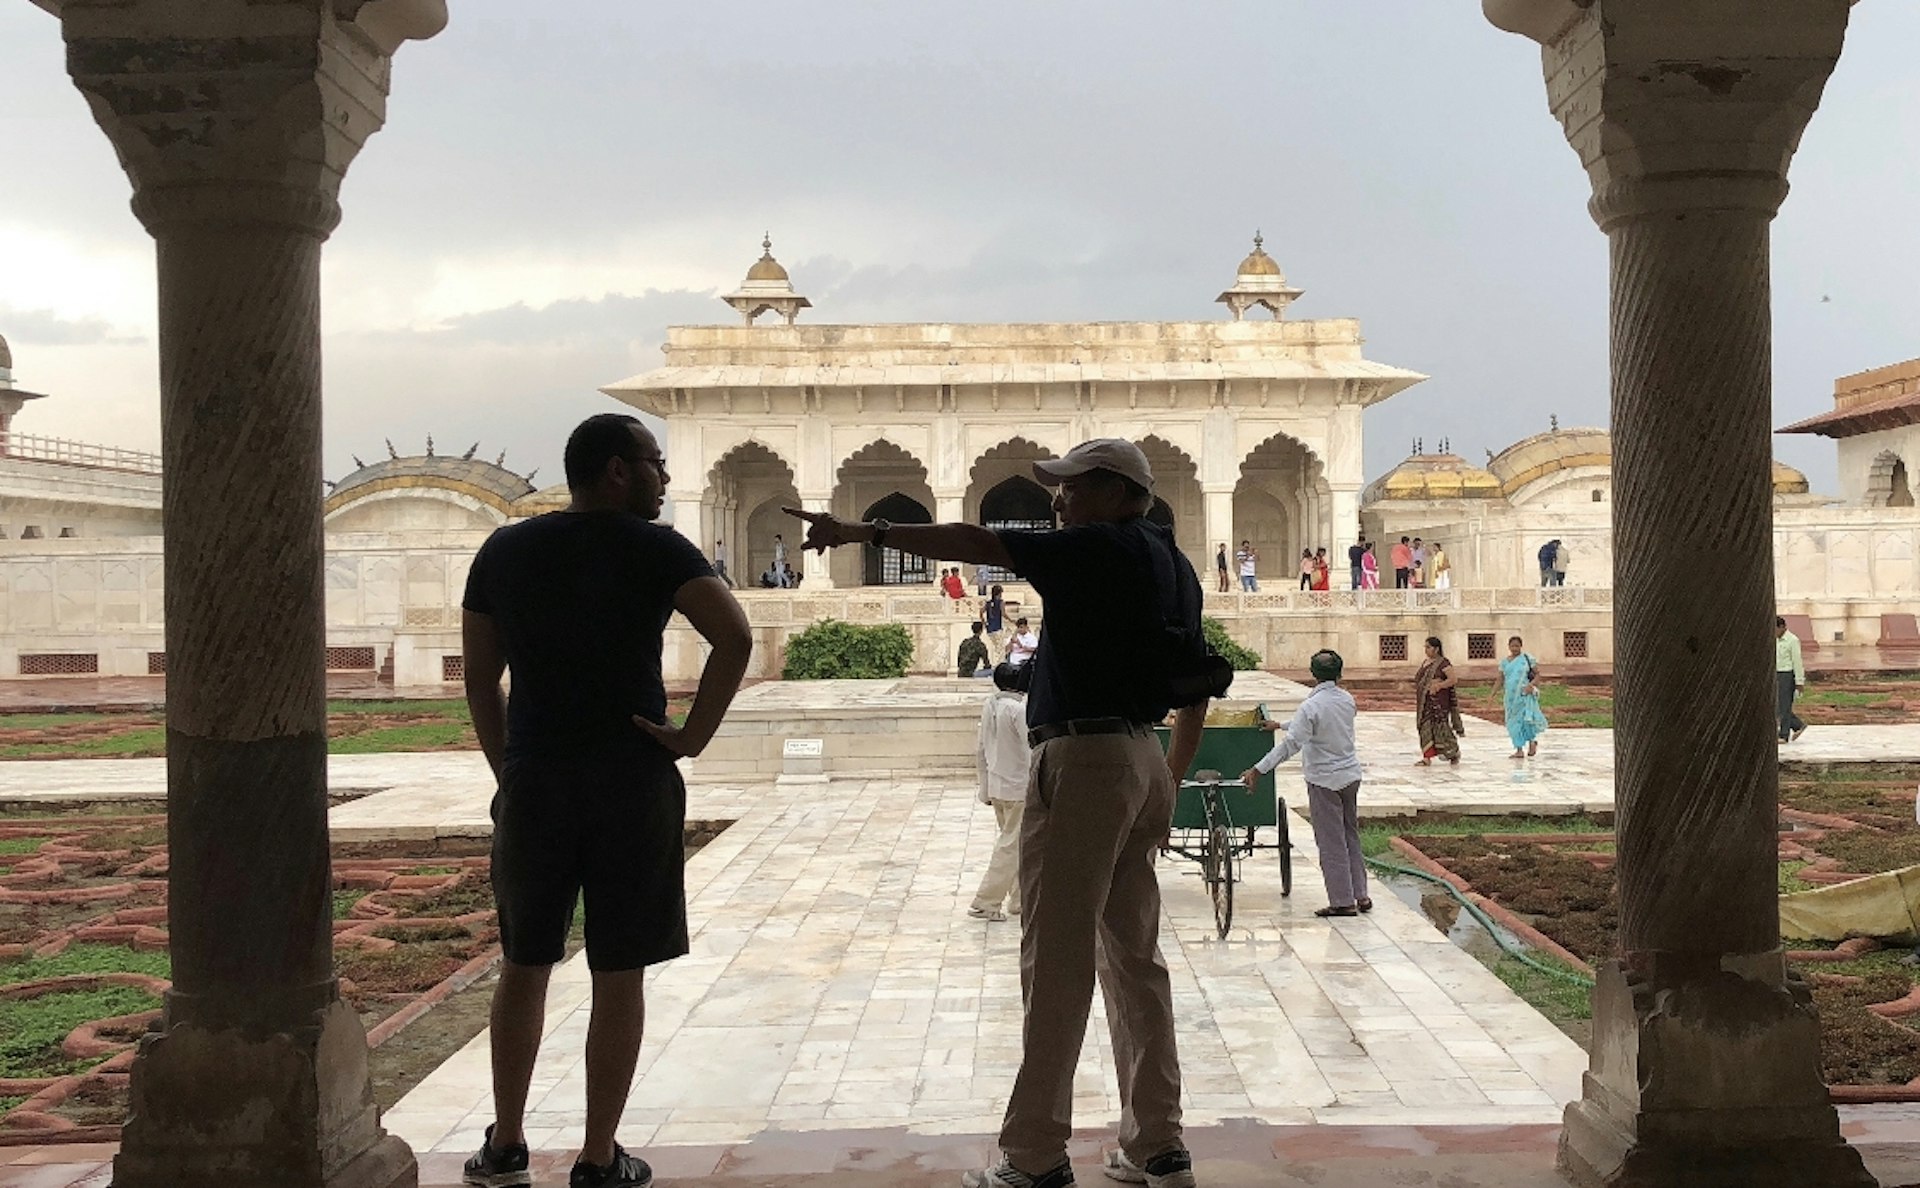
1517 952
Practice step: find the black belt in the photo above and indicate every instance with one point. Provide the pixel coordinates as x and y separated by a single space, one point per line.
1040 734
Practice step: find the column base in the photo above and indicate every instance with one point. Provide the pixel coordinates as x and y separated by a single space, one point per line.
1704 1077
288 1109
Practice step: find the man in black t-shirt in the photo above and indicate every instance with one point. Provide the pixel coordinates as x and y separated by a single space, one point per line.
1355 552
590 802
1100 800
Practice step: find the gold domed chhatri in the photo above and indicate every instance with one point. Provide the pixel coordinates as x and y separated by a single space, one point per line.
1259 282
767 287
766 268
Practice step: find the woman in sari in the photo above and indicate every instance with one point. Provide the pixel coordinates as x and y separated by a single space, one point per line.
1520 694
1369 569
1322 577
1433 687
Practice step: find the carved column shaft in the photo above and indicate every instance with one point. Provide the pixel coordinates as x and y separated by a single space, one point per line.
239 278
1696 774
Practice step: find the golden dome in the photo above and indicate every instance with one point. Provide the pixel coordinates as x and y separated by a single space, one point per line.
1788 481
1259 263
766 268
6 354
1533 458
1433 476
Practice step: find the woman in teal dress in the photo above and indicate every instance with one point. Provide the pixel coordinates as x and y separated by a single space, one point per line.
1520 689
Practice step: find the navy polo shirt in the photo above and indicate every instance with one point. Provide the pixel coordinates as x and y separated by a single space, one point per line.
1103 618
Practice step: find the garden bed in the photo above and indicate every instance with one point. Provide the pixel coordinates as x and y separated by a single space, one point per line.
83 958
1554 890
1829 700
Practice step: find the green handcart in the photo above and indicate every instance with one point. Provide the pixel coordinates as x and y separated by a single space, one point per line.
1217 819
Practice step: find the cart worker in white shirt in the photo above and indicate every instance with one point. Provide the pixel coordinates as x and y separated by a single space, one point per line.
1004 759
1321 733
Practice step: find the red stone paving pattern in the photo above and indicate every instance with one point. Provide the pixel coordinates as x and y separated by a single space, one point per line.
411 940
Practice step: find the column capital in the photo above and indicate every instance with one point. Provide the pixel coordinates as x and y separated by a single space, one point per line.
239 115
1681 107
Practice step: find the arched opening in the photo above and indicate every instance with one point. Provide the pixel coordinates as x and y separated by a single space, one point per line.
868 480
741 507
889 566
1283 504
1888 483
1017 503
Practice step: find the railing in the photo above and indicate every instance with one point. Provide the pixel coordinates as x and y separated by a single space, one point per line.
880 604
1468 598
77 453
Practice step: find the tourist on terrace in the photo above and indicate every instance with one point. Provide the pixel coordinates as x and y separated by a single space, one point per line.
1417 571
779 553
1441 567
1248 559
1306 569
1561 557
789 580
1437 706
1220 564
1355 552
1790 675
720 561
993 612
1369 569
1025 643
1402 561
1322 575
1321 733
952 586
589 799
1519 687
1547 552
973 660
1004 759
771 580
1100 799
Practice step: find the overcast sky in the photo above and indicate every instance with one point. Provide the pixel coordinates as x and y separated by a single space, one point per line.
551 191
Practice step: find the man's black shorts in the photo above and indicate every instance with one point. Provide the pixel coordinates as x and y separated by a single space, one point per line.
613 829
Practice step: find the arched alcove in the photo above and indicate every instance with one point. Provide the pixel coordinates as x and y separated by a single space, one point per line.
888 566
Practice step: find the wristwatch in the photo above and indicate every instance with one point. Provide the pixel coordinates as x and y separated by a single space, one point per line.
880 530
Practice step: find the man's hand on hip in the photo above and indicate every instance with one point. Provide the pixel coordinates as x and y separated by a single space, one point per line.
674 738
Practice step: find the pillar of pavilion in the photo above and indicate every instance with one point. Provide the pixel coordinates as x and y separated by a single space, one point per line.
235 121
1706 1050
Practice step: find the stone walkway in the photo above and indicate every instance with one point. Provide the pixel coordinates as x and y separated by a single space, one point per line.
836 982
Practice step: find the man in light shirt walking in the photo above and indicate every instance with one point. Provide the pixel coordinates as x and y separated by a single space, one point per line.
1321 733
1791 674
1005 759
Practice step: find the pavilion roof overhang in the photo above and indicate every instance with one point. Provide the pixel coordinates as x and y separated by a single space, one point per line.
1363 382
1890 413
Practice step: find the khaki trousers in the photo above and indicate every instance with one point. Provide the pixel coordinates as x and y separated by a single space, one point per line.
1098 807
1001 882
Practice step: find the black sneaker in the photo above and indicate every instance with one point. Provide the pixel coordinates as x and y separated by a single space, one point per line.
626 1171
1169 1169
498 1167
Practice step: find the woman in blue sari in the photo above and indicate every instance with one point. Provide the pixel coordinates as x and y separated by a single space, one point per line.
1520 689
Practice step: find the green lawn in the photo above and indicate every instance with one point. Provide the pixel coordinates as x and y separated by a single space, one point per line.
32 1029
22 845
419 737
1556 998
343 902
141 740
86 959
1375 835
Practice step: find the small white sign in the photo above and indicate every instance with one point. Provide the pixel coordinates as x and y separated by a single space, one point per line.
803 748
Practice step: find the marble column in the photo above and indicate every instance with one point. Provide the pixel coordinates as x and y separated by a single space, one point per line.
235 124
950 507
1706 1051
1218 502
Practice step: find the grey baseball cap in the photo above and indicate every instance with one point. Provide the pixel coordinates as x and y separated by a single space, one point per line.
1114 454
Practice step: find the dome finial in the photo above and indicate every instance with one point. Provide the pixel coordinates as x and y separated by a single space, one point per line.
1259 241
767 287
766 244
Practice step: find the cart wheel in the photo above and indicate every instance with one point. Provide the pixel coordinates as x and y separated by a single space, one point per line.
1286 851
1220 876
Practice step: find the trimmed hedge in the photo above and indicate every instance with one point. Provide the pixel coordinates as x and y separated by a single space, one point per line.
1242 659
833 650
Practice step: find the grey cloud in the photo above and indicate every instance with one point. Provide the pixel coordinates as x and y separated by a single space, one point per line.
45 328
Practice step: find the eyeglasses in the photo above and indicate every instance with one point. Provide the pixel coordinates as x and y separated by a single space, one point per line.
659 461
